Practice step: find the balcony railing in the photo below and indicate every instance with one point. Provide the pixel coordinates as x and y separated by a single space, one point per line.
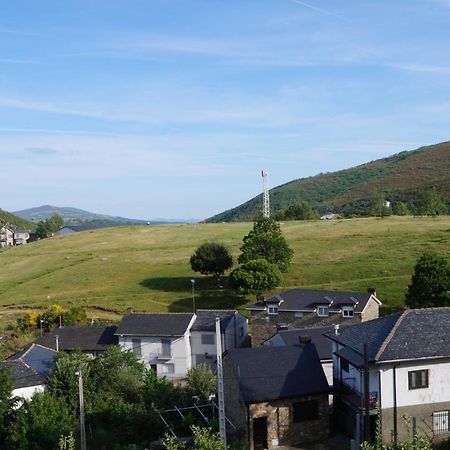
346 390
160 354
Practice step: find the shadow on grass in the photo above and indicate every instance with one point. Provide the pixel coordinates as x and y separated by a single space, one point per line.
209 294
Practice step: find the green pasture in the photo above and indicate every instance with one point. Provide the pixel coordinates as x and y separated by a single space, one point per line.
146 268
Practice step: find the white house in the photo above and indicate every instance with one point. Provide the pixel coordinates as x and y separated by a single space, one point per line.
407 365
233 329
160 340
21 236
6 236
29 369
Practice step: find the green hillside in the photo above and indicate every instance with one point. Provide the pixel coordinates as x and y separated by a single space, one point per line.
401 177
147 267
14 221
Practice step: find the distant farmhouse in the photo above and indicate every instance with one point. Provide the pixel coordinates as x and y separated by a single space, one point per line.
12 236
299 308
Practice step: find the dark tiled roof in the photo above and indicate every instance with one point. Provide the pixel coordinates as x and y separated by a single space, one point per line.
84 338
417 333
31 366
323 344
270 373
154 324
206 319
308 299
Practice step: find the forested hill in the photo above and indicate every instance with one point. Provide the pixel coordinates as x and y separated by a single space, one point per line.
14 221
401 177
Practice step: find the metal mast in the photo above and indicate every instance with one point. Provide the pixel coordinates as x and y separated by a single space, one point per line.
220 393
266 205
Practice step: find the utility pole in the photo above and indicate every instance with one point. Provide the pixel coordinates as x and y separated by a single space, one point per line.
220 393
82 426
266 205
193 294
57 343
366 395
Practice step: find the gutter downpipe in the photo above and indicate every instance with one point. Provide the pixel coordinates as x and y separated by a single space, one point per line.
366 395
394 375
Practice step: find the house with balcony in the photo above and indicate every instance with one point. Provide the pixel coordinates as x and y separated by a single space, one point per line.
233 330
298 308
400 364
6 236
160 340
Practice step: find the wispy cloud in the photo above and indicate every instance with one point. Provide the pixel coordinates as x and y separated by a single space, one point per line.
41 151
320 10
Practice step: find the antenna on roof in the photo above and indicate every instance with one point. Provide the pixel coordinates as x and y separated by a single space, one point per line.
266 205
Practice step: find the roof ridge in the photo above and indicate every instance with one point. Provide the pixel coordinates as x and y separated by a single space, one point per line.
147 313
391 334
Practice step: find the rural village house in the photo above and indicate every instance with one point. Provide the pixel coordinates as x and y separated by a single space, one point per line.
276 395
305 307
6 236
21 236
408 356
29 369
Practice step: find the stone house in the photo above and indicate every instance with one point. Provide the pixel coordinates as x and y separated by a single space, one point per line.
407 373
298 308
275 395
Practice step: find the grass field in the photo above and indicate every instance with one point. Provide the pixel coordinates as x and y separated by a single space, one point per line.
147 267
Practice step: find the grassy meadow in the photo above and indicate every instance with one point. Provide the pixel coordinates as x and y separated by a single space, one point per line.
146 268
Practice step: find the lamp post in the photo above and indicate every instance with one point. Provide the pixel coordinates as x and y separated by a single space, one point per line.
81 396
193 293
41 327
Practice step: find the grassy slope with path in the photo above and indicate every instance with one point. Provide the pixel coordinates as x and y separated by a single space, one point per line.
147 267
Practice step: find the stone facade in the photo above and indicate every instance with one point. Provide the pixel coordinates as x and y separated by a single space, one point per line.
371 311
424 421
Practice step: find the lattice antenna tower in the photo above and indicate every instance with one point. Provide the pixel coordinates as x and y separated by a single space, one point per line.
266 204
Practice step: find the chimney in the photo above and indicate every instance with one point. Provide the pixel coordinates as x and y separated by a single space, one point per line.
304 339
372 291
336 329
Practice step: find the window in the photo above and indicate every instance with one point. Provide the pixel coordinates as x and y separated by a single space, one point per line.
241 332
167 368
207 339
273 310
137 350
304 411
165 348
348 311
322 311
441 422
344 365
418 379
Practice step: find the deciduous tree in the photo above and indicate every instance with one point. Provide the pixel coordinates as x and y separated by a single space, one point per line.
211 258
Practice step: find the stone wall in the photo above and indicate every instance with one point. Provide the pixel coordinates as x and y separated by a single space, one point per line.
281 429
424 421
371 311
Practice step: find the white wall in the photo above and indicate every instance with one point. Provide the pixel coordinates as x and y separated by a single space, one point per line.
438 389
151 347
28 392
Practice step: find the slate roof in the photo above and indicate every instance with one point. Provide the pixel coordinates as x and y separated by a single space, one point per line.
154 324
206 319
86 339
308 299
31 366
412 334
270 373
323 344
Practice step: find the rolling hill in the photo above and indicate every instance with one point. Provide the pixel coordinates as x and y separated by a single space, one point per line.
147 267
401 177
14 221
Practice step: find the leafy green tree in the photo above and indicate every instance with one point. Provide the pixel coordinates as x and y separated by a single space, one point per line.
265 241
430 284
204 439
211 258
55 223
255 277
41 230
40 423
432 203
379 208
400 209
6 402
201 381
300 211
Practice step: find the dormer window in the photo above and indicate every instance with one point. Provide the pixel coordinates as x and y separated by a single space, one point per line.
272 310
348 312
322 311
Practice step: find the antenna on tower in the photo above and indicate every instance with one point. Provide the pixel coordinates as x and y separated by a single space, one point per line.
266 205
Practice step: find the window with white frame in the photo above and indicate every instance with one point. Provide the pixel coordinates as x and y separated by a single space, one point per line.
207 339
167 368
348 311
272 310
441 422
322 311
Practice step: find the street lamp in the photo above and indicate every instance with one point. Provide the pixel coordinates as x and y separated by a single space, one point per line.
41 327
193 293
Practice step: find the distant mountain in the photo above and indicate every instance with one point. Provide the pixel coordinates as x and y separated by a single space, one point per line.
14 220
401 177
84 220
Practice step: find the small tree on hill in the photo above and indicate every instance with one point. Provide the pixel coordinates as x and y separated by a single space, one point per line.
400 209
430 284
211 258
432 203
379 208
255 277
266 241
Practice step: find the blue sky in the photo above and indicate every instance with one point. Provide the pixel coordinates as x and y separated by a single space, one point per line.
171 108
